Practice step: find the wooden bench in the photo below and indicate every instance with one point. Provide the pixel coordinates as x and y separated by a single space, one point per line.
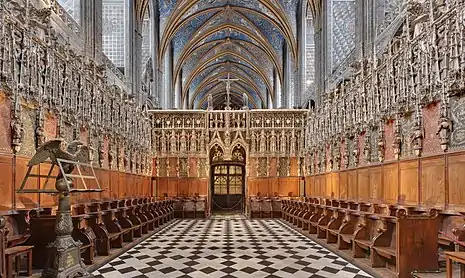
85 235
451 233
15 233
276 207
458 257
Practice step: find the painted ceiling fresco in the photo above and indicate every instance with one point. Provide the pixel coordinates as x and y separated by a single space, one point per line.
211 38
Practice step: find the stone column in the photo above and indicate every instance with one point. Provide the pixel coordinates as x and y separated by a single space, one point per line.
178 91
287 72
277 90
186 99
269 100
91 22
167 78
302 50
129 36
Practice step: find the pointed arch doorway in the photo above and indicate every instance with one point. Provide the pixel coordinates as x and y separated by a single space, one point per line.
227 184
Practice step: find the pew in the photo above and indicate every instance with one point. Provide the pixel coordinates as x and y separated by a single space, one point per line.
2 247
276 207
178 208
265 208
451 234
15 234
86 236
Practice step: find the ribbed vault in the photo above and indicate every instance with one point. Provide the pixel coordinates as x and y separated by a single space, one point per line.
208 39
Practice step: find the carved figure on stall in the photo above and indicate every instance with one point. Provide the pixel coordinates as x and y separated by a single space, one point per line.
444 132
293 144
356 154
345 154
17 132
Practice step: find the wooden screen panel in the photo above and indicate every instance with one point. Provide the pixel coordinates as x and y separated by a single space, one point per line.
328 186
173 166
203 187
288 186
183 187
376 184
408 194
162 187
363 189
252 172
433 186
114 184
121 186
273 185
252 187
29 200
6 182
173 186
308 186
263 186
456 178
335 186
343 182
390 183
352 185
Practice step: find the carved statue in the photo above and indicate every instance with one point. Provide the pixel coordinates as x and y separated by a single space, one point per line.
356 154
17 132
182 142
193 146
367 147
444 132
381 144
283 143
173 140
262 142
273 142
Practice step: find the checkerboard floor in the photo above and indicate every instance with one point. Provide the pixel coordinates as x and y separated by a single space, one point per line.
229 247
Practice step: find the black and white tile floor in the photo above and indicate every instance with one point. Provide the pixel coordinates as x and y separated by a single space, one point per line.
229 247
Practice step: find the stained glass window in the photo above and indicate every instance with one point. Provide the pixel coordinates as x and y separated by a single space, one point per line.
73 8
113 30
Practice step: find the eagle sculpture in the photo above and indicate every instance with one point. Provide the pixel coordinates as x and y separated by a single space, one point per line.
76 151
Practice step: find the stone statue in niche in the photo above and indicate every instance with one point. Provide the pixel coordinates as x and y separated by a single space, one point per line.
444 132
262 142
163 142
356 154
283 143
293 144
273 142
193 146
173 142
183 143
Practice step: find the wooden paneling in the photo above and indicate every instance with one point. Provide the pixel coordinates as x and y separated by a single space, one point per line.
376 184
408 193
343 185
456 178
390 183
6 182
26 200
334 193
433 185
294 167
363 189
352 187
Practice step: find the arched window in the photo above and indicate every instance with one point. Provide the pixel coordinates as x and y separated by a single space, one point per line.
146 47
309 53
113 31
73 8
342 21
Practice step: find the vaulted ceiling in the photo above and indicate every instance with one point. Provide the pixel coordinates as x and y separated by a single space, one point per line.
213 38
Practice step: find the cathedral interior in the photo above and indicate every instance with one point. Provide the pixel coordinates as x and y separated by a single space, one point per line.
232 138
